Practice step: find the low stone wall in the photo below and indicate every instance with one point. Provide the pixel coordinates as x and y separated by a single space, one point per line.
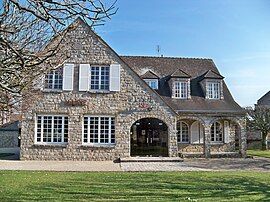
196 148
8 139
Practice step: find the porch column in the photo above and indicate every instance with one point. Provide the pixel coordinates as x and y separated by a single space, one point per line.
243 141
172 140
207 139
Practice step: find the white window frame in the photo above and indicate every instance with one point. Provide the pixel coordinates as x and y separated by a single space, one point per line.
180 132
99 131
99 78
180 89
53 72
213 89
152 81
52 128
215 133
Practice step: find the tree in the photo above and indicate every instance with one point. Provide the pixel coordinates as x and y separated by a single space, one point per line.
260 120
26 27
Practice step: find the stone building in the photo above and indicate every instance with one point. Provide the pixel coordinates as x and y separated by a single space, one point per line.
102 106
264 101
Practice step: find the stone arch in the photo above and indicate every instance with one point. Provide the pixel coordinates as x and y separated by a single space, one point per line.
192 118
238 132
234 119
127 120
149 137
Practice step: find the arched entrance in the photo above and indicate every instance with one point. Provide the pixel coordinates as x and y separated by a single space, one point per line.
149 137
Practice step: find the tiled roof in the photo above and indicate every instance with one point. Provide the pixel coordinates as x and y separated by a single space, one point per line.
265 99
197 68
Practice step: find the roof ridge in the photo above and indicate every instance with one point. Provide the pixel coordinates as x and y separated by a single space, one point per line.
166 57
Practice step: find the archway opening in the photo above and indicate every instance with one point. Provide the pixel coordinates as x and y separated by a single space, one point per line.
149 137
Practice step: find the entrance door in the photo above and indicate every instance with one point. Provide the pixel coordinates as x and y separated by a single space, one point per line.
149 137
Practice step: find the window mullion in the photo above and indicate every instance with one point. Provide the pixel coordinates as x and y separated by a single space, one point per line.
99 79
63 129
215 131
88 130
110 126
99 128
52 129
53 80
42 128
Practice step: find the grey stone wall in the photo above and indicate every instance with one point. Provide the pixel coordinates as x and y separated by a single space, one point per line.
84 47
8 139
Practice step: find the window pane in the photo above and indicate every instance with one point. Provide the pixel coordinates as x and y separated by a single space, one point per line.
100 78
177 89
100 131
55 129
54 80
182 132
213 90
216 132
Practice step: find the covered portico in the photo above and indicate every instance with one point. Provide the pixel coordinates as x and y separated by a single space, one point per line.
208 136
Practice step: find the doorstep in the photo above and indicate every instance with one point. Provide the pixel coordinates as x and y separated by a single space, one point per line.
151 159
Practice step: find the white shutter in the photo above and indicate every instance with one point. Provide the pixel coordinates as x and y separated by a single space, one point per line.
115 77
68 71
195 135
84 77
227 138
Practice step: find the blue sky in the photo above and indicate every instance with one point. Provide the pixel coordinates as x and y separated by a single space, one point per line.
234 33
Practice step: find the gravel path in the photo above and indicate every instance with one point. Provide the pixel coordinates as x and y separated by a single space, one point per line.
60 165
256 164
222 164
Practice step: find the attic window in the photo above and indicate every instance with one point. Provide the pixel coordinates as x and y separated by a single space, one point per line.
213 90
153 83
180 89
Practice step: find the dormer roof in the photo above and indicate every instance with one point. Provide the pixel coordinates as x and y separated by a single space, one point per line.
180 74
149 75
210 74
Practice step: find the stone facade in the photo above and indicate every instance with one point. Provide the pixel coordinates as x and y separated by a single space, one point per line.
82 46
123 105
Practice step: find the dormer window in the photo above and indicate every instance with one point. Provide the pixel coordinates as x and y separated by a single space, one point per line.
213 89
153 83
180 89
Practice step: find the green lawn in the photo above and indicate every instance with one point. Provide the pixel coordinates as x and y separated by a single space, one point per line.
144 186
261 153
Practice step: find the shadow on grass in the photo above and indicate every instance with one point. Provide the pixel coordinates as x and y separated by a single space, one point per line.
202 186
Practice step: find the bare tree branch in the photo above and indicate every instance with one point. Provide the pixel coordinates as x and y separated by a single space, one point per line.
27 26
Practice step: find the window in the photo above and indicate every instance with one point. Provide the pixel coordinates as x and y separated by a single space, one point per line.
153 83
216 132
180 89
52 129
213 90
98 130
182 132
54 80
100 78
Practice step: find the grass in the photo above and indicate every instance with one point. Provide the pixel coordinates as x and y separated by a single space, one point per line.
138 186
260 153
